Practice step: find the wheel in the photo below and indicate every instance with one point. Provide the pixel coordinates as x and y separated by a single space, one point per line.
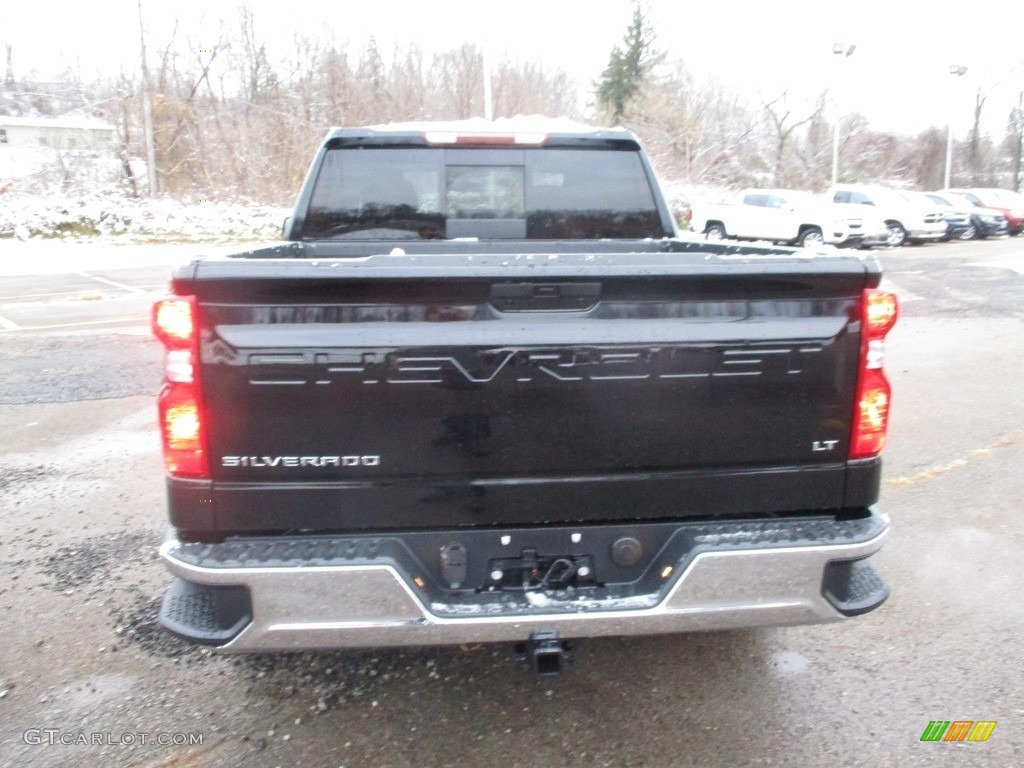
715 232
971 233
897 234
811 238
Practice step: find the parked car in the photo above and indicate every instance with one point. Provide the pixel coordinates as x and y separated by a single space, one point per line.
958 219
782 216
876 233
1010 204
984 222
907 220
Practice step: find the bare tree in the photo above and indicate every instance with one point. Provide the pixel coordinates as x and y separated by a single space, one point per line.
125 92
456 80
524 88
407 79
779 114
339 86
925 156
373 87
813 149
259 77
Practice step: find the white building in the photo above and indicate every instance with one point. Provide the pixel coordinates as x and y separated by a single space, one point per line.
62 133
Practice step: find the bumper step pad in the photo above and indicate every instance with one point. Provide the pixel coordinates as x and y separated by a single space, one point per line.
211 615
854 587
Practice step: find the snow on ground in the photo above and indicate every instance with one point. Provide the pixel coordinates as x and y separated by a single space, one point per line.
87 216
82 196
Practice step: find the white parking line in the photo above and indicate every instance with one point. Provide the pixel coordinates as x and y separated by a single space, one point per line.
39 295
113 283
148 290
9 326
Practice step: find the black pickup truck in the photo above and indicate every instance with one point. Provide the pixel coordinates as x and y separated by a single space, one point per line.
483 391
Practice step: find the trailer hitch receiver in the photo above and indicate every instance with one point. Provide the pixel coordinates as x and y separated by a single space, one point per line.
545 653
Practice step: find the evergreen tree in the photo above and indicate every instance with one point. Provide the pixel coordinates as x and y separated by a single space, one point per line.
628 66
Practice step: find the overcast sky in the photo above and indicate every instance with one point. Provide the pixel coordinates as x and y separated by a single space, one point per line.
898 76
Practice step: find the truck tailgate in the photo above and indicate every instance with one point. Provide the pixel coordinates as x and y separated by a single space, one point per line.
384 393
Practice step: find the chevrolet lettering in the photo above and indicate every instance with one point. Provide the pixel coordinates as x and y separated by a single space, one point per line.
597 365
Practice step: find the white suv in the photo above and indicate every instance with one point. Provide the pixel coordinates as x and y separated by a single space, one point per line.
907 220
781 216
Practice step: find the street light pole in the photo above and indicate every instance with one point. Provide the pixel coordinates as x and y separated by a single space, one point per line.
957 70
839 49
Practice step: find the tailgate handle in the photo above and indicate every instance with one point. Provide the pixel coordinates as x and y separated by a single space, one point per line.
545 297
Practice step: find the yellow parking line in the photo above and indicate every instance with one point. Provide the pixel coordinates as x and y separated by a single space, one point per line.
1008 441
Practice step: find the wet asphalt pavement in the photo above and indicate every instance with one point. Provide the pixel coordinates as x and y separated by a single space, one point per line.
81 494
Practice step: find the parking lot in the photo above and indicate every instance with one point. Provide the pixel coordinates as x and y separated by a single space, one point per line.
86 677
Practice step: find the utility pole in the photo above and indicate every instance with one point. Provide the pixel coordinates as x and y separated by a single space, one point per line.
147 114
839 49
957 70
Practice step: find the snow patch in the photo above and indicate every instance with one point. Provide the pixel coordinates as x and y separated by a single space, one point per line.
83 195
136 220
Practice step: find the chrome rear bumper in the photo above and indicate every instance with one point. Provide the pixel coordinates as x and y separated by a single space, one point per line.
300 605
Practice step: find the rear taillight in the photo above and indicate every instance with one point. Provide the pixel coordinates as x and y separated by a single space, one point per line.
174 321
879 310
175 324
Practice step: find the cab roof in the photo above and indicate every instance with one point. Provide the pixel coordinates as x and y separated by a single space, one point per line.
523 131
